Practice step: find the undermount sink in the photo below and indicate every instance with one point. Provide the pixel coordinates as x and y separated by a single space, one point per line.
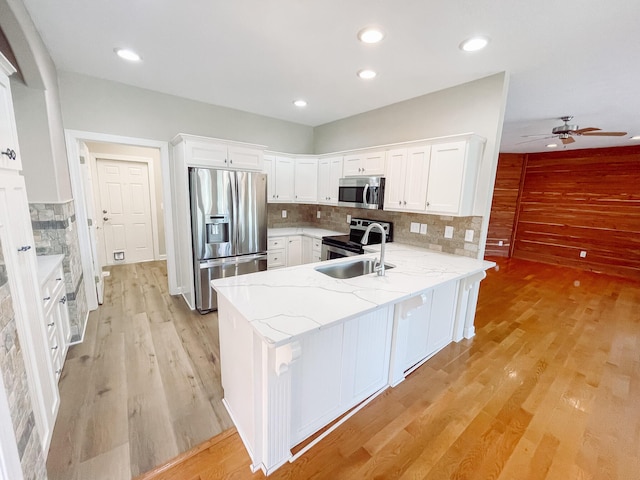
351 269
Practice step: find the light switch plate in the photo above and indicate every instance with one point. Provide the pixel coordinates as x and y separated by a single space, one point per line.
284 214
468 236
448 231
318 214
423 229
348 218
415 227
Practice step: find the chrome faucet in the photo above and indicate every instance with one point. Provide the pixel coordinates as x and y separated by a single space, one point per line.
365 239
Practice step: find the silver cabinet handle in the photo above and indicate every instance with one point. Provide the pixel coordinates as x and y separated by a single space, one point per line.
46 298
50 324
54 348
24 248
58 371
63 300
105 218
58 279
405 202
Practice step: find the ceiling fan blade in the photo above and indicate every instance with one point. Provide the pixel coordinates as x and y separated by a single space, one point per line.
585 130
534 140
567 141
605 134
536 135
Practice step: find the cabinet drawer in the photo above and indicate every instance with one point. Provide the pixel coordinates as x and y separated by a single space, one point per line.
316 244
276 258
275 243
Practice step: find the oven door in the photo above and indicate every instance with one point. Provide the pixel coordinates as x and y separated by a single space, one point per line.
329 252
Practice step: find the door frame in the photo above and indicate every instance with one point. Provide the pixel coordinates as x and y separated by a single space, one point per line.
72 139
94 157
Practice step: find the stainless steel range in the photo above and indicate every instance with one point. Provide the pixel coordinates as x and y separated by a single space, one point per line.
338 246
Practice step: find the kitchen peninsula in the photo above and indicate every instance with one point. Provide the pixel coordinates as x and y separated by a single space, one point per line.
300 348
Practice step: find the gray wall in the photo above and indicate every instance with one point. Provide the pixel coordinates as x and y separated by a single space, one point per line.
94 105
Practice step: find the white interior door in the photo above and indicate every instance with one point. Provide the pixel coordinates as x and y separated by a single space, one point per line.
126 208
93 219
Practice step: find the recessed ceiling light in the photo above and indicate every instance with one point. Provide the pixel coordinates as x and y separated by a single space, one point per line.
635 137
300 103
127 54
367 74
474 44
370 35
552 145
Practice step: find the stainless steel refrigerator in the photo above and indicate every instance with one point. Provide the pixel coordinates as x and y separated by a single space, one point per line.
229 227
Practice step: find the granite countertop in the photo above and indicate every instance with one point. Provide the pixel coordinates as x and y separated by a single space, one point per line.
284 303
308 231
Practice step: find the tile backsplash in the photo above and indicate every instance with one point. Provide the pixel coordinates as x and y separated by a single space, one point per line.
335 218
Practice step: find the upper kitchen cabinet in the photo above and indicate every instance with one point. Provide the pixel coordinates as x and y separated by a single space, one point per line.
406 179
329 174
306 180
213 153
10 157
280 172
453 172
365 163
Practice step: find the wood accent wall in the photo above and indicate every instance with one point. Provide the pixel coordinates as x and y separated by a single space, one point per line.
581 200
503 207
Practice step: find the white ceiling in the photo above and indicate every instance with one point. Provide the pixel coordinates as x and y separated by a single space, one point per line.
570 57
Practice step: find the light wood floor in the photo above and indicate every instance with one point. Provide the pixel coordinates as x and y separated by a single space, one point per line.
144 385
549 388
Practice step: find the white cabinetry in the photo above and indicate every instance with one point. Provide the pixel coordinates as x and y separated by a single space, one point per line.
54 302
211 153
16 238
329 175
277 253
453 173
10 157
19 260
406 179
280 172
306 180
294 250
423 325
364 163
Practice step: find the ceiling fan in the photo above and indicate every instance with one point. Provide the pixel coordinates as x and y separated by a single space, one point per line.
566 132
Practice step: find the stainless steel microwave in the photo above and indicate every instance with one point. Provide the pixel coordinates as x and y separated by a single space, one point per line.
361 192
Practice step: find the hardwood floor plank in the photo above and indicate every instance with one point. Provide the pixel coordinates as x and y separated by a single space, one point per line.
111 465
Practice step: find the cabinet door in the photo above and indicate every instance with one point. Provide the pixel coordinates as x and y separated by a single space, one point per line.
284 179
395 177
352 165
269 167
8 132
373 163
442 317
307 249
335 174
324 171
294 250
306 180
416 178
446 177
245 158
205 154
19 255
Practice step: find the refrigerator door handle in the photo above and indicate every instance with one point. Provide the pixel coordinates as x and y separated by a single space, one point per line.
231 260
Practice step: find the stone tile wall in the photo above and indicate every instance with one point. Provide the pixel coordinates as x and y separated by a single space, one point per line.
14 376
55 231
335 218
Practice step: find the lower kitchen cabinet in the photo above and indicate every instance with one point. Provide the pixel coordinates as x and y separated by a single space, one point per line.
277 253
294 250
56 313
291 250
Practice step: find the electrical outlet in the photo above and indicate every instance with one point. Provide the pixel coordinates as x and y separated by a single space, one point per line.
423 229
349 219
448 231
415 227
500 243
284 214
468 236
583 254
318 214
